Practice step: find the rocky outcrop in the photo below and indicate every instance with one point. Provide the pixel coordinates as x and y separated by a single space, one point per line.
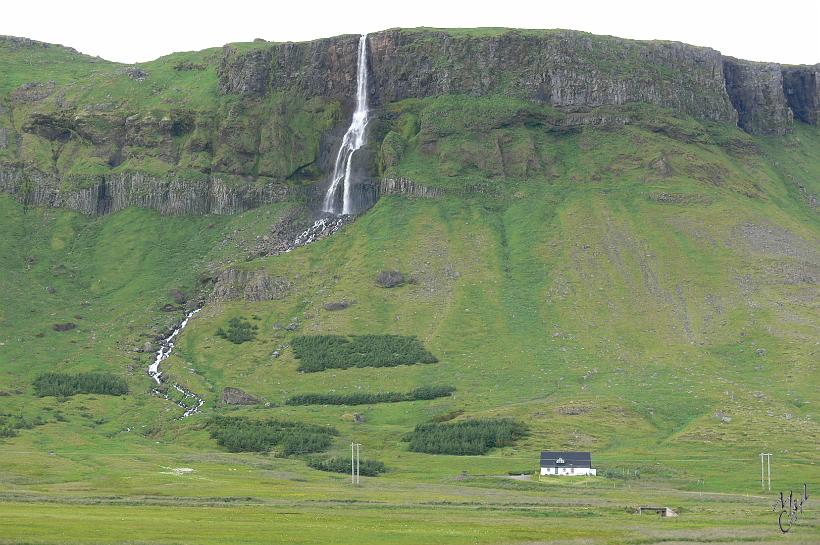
756 91
319 68
236 396
167 194
404 186
238 285
801 86
247 74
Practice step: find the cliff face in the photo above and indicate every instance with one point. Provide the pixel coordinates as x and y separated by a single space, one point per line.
571 70
320 68
566 69
563 68
221 131
756 91
168 194
801 85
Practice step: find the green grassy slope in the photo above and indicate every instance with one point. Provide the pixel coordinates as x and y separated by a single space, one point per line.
647 314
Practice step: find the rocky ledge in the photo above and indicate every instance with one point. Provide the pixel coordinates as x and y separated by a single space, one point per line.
167 194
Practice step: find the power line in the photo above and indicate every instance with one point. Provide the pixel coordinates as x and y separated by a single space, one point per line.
355 470
768 456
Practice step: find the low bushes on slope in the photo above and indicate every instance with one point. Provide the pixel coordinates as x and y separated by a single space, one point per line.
11 423
65 384
320 352
240 434
239 330
368 468
364 398
466 437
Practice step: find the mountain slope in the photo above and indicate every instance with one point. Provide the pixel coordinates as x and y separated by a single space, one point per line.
624 278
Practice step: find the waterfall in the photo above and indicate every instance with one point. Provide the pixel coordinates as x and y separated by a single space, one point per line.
352 141
165 348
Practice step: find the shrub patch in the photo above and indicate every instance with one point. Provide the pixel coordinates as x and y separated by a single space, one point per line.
65 384
239 330
364 398
368 468
466 437
241 434
320 352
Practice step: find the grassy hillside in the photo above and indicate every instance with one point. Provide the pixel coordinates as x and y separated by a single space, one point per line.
648 293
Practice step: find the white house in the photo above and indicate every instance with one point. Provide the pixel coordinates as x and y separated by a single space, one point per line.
566 463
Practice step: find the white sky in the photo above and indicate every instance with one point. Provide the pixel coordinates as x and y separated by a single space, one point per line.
783 31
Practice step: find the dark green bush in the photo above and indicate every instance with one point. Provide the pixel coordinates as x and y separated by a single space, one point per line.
466 437
239 330
11 423
7 431
363 398
320 352
66 384
368 468
241 434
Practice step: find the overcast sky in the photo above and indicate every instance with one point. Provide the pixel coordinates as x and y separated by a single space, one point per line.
785 32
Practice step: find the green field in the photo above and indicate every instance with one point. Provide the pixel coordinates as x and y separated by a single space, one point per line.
646 292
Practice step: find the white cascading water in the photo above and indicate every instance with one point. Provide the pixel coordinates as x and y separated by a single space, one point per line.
353 139
165 348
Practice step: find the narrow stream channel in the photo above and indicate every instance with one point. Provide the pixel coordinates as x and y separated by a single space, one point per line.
165 348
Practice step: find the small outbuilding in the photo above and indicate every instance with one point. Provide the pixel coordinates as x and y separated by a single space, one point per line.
566 463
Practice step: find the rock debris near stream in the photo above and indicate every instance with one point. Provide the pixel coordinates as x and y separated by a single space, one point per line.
237 396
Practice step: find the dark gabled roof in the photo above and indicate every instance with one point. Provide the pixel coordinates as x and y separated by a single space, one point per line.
551 458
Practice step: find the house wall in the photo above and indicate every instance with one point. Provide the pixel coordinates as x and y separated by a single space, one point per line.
570 471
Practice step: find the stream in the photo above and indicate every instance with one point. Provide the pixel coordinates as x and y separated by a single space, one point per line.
165 348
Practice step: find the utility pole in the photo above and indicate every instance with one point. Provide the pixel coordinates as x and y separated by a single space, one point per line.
355 472
763 469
